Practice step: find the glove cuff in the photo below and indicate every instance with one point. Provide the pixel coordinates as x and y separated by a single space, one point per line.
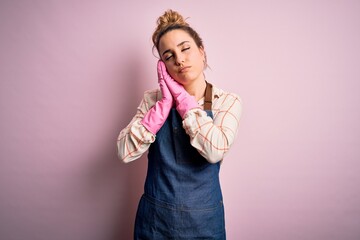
186 105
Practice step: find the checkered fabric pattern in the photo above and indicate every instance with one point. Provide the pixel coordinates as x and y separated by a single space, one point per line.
212 137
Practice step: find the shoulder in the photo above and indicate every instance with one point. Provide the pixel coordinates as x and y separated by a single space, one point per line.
221 96
152 95
226 104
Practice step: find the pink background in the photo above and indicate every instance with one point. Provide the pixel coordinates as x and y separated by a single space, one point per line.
73 73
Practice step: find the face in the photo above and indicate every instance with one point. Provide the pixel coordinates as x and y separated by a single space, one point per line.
184 60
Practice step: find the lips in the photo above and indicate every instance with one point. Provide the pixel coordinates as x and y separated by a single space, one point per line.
184 69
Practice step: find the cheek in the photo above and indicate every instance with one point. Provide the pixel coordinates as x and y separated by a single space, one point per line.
170 69
196 56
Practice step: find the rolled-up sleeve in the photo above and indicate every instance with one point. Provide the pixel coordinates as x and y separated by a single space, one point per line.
213 137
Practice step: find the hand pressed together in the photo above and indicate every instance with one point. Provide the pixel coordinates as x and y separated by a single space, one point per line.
184 101
157 115
171 92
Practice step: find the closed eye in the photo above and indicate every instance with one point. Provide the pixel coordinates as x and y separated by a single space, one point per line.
168 57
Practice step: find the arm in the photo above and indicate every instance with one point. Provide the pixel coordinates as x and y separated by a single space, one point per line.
135 139
214 137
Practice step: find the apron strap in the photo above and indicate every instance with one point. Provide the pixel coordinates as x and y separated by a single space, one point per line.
208 96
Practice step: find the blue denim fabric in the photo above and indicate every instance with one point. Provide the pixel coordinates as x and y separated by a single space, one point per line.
182 197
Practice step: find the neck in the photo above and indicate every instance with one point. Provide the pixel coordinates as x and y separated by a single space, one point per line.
196 89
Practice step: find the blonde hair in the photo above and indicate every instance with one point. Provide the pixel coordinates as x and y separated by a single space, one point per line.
172 20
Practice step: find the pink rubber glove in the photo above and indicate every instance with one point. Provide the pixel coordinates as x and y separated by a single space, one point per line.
157 115
184 101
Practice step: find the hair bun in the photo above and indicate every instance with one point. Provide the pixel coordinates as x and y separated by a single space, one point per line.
169 18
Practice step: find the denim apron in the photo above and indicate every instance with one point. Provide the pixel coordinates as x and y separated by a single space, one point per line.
182 196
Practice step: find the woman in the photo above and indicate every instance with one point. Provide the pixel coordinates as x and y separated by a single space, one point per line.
187 126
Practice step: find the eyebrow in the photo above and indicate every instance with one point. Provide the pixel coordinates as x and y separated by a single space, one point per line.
180 44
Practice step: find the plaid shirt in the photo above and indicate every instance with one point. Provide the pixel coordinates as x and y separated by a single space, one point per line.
212 137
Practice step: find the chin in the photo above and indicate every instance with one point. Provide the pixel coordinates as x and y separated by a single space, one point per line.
180 79
183 81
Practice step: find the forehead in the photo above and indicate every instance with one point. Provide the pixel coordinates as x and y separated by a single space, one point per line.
171 39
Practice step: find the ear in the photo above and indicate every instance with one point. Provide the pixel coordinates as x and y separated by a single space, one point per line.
203 53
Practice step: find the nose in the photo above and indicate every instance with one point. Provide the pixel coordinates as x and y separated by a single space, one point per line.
179 59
